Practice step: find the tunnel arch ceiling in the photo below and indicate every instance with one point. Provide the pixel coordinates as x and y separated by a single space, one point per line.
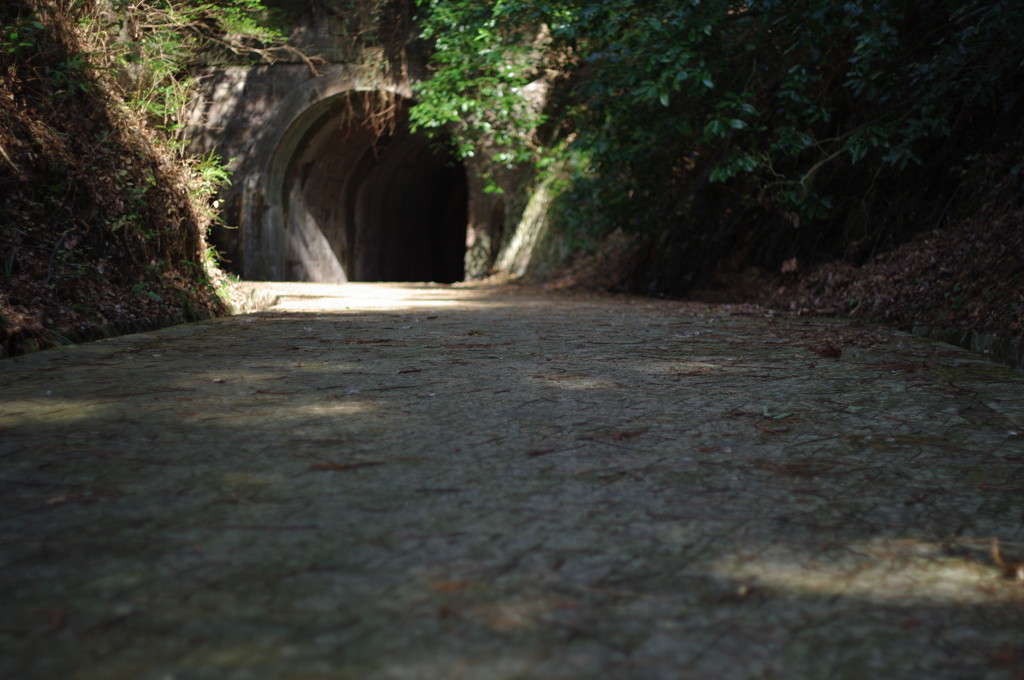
362 201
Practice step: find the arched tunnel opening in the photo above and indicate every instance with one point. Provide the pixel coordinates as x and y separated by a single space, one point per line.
365 199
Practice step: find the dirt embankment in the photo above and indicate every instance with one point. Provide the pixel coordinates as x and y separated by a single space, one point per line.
968 274
100 227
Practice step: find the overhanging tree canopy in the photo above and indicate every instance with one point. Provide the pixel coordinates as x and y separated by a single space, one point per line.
787 112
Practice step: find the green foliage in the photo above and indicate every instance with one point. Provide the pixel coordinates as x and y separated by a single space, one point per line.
152 45
484 59
665 99
22 38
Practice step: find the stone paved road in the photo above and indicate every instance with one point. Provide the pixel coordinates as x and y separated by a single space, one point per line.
413 482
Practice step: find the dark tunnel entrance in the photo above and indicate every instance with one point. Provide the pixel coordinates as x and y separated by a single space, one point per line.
372 202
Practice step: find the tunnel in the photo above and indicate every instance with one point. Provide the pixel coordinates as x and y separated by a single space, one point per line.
363 198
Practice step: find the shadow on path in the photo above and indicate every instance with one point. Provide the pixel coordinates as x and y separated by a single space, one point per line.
385 481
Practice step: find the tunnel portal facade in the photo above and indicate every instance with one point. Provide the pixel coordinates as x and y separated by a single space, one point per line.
326 188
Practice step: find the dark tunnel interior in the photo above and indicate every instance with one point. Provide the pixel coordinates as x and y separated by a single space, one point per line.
366 202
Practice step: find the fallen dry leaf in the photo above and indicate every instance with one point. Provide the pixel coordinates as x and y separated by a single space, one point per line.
1011 568
449 586
768 429
56 618
828 351
1008 657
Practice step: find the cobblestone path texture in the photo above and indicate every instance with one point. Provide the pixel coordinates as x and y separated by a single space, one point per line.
405 482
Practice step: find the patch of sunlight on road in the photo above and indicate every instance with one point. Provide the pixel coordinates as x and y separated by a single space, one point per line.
51 411
328 298
337 408
301 408
894 572
667 366
687 370
572 382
